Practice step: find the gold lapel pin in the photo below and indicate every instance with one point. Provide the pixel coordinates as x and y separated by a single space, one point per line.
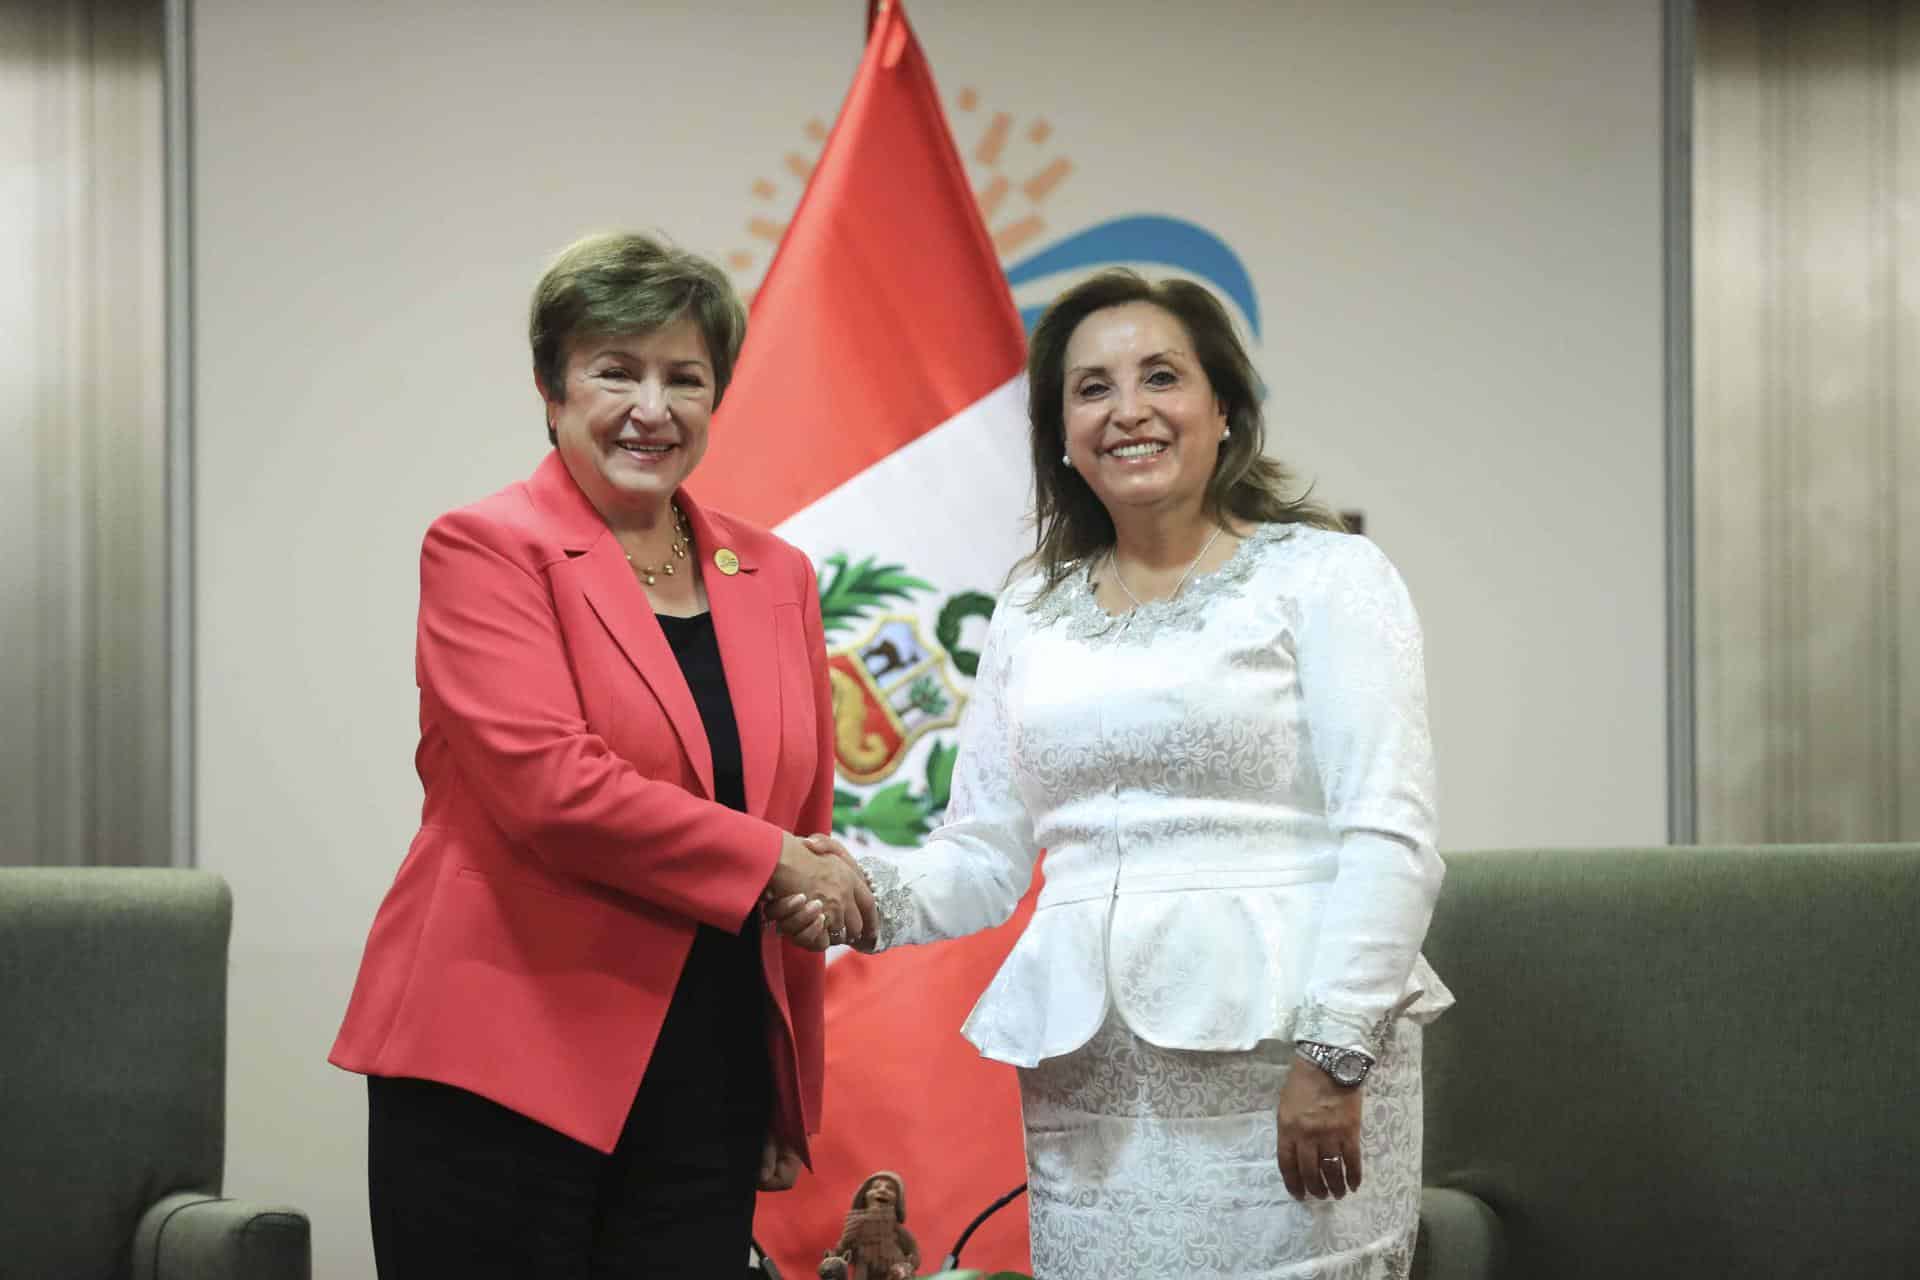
727 562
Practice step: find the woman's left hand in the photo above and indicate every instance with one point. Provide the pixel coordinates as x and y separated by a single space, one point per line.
779 1165
1319 1134
803 919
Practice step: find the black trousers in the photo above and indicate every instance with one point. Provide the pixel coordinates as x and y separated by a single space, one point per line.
461 1186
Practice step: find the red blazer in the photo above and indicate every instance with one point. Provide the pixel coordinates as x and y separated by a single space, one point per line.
569 841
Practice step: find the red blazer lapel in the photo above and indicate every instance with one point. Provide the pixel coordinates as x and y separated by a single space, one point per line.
606 579
598 569
743 623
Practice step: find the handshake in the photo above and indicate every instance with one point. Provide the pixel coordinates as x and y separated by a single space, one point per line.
818 898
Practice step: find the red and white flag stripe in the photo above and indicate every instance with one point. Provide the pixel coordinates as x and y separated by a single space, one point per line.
878 411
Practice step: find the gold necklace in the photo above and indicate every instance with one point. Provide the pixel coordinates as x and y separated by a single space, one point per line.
681 537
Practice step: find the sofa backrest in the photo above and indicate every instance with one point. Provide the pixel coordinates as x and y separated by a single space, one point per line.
113 996
1683 1062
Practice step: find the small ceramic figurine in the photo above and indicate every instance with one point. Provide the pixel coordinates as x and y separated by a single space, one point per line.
876 1244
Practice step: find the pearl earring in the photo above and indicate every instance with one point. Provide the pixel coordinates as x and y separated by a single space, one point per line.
1225 433
1066 460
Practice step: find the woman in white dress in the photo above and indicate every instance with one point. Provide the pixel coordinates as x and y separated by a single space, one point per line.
1207 703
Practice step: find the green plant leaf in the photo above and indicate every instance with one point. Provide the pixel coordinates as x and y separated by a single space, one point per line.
894 815
853 589
940 775
846 811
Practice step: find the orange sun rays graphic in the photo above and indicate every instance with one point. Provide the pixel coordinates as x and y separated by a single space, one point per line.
1012 171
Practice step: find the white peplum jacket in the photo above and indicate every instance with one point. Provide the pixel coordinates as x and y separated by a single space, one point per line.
1235 792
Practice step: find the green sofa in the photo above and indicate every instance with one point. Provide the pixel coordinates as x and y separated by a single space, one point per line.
1675 1062
113 1038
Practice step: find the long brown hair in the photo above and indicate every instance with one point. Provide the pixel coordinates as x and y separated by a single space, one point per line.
1070 522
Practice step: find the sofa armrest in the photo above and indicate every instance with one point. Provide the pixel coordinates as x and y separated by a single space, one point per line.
1460 1237
192 1236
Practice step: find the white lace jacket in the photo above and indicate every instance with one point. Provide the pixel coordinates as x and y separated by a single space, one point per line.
1235 792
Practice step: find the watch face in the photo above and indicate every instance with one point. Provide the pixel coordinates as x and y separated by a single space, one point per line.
1349 1068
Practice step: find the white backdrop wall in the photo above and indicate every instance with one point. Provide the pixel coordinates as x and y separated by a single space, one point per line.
1450 215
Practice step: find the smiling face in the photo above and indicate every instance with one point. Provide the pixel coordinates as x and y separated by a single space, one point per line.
1141 421
882 1194
634 421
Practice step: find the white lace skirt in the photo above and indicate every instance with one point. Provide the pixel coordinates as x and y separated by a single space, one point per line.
1155 1162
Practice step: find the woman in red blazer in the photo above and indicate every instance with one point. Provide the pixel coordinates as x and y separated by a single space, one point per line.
586 1044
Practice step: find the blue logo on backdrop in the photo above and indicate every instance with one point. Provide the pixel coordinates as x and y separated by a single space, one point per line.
1148 240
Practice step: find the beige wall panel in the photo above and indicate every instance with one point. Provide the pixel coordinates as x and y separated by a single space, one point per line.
83 696
1736 573
1805 365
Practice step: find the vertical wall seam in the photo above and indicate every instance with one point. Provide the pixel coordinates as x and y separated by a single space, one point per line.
1677 74
1884 155
181 693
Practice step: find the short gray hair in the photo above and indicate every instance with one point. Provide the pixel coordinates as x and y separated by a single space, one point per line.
621 283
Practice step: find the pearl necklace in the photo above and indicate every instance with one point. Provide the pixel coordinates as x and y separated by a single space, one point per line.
681 537
1174 594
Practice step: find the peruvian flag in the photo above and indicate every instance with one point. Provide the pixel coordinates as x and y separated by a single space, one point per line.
877 421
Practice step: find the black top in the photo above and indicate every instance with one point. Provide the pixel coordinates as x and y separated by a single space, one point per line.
699 654
716 1024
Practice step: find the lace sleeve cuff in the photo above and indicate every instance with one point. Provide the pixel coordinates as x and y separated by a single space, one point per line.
890 895
1342 1029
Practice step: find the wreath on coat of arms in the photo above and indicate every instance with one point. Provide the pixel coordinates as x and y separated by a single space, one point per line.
891 687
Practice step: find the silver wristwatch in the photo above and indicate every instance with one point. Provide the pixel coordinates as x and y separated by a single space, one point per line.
1347 1066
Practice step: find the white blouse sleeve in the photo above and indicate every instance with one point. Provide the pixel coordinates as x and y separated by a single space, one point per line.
1363 682
973 870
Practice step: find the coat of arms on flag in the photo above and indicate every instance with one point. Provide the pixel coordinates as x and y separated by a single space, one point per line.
892 685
